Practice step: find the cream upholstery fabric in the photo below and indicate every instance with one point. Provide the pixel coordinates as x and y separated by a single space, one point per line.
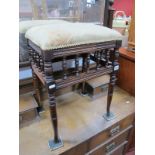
54 36
25 25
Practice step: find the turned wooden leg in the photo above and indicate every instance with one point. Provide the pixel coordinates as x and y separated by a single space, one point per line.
85 68
110 92
56 142
83 90
109 115
112 55
37 89
51 87
40 96
53 114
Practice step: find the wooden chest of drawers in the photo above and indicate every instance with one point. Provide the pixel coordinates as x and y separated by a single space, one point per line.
112 141
126 74
82 127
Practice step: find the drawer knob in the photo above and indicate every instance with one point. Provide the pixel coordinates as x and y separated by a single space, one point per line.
110 147
114 130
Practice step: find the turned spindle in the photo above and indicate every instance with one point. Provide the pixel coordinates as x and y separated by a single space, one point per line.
107 57
101 54
116 57
32 54
38 61
95 54
88 62
77 65
64 66
98 60
41 64
35 58
48 71
84 62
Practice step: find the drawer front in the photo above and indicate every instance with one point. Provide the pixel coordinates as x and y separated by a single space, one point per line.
119 150
110 132
112 144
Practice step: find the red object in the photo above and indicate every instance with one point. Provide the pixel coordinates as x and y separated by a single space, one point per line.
124 5
131 152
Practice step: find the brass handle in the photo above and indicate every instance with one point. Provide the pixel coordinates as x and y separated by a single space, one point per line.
114 130
110 147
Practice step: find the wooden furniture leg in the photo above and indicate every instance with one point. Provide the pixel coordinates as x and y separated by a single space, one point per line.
37 89
83 90
85 68
114 58
36 82
56 142
40 87
109 115
51 87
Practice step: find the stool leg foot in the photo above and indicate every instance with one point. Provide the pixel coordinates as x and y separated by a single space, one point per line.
55 145
109 116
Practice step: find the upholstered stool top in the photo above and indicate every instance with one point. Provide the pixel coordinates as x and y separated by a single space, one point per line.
55 36
25 25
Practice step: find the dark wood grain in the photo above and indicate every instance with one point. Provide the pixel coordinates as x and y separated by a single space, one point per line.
127 54
108 13
126 74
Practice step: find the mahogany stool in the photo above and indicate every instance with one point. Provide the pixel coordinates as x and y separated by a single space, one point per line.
59 43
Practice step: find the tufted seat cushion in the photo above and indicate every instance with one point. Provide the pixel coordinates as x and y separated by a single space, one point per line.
23 27
55 36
